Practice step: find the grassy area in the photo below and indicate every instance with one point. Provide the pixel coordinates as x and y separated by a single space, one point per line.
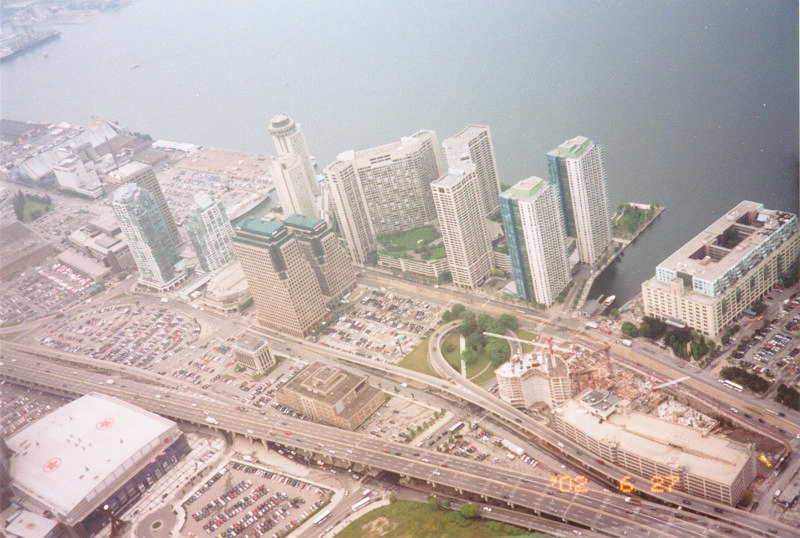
406 518
525 335
409 240
453 357
119 296
417 359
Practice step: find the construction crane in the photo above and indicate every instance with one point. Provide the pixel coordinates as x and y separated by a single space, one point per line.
553 348
668 383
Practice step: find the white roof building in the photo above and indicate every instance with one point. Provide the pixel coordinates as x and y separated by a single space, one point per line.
71 460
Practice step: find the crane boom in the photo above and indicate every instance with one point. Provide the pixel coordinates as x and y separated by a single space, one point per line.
668 383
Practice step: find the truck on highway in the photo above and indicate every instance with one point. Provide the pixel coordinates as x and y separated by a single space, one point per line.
212 420
626 343
591 325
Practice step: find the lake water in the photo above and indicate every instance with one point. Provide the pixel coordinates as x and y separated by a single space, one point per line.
695 103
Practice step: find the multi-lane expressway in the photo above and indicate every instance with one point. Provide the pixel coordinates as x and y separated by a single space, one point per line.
567 501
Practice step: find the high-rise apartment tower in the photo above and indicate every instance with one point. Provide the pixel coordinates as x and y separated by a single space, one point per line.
536 243
576 167
474 144
210 232
289 140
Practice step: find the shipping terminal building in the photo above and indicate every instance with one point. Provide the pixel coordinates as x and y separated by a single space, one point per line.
94 451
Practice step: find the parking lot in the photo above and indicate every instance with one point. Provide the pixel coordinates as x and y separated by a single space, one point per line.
771 351
382 325
135 335
23 406
44 290
247 499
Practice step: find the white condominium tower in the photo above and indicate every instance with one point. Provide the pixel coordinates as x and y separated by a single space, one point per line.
292 186
210 232
475 144
289 140
577 168
463 226
384 190
534 229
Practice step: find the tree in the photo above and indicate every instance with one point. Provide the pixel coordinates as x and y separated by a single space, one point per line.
468 324
457 518
469 356
469 510
788 396
392 498
498 351
18 202
629 329
433 502
476 341
457 309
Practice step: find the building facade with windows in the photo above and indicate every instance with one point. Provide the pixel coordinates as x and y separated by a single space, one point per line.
325 254
537 247
292 186
463 226
383 190
145 177
283 285
576 167
252 352
721 272
474 144
210 232
148 238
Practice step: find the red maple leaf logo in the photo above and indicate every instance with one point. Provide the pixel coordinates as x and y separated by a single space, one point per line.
51 465
104 424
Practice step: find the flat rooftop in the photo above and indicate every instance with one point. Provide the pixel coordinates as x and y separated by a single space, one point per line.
525 189
727 241
711 457
386 153
73 458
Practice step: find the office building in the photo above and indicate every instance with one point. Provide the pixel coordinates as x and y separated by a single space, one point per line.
210 232
725 269
94 451
144 176
148 238
463 226
289 140
331 395
283 285
252 352
325 254
292 186
474 144
707 466
383 190
576 167
537 247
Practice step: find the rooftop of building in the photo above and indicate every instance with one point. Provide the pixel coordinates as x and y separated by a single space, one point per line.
454 176
128 170
72 456
378 155
83 264
712 457
227 280
304 222
249 341
27 524
525 189
727 241
324 383
267 228
572 148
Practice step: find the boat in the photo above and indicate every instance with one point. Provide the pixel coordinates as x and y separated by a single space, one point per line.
608 300
134 66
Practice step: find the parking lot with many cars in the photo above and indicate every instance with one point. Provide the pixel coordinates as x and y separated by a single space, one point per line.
41 291
247 499
382 325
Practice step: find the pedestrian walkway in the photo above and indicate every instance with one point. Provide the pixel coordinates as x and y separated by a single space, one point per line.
204 452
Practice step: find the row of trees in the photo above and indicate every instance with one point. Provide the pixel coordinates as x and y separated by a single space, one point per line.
685 342
788 396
